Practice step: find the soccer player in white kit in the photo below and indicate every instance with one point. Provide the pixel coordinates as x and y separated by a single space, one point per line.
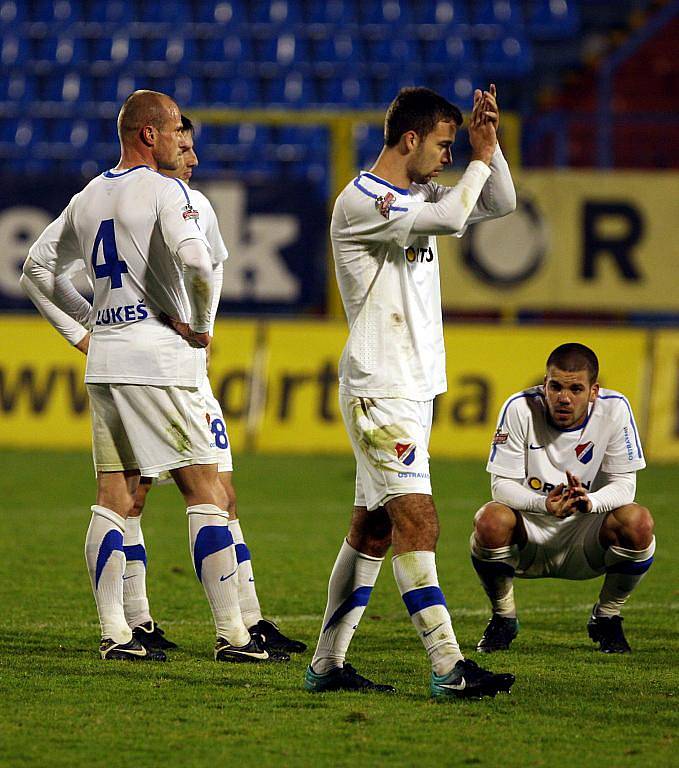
383 235
138 235
563 464
135 598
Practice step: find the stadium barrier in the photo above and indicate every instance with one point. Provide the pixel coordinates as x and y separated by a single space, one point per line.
277 382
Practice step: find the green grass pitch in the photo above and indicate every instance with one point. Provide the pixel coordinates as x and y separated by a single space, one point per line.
61 706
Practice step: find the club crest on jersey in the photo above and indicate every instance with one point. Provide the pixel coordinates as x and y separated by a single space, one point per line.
500 438
189 213
405 453
384 203
584 452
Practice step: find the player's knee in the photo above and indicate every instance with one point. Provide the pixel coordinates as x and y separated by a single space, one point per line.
493 524
636 525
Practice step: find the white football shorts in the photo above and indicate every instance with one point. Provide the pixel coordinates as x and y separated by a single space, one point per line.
148 428
390 440
562 549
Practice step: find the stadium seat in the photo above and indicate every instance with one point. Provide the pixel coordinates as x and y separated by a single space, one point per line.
53 12
63 50
387 12
331 12
440 13
277 12
509 57
175 12
232 91
117 49
16 86
452 50
231 48
393 51
12 12
503 13
291 90
349 90
171 50
340 47
109 11
65 86
553 19
283 49
369 141
232 12
14 49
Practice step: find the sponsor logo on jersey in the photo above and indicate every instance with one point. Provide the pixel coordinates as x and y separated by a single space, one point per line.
405 453
584 452
420 475
500 438
189 213
628 444
413 254
538 485
535 483
384 203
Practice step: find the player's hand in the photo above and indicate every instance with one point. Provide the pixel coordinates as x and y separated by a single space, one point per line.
490 110
84 344
558 502
482 134
195 339
578 494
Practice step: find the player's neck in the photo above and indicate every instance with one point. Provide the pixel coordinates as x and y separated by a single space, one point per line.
131 158
391 168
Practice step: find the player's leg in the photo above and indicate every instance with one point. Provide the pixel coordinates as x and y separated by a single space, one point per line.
351 582
415 531
267 632
627 536
498 535
117 478
135 599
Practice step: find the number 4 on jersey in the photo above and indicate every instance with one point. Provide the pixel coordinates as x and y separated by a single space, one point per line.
112 267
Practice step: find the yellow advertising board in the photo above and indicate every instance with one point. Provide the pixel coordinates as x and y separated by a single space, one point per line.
277 382
579 240
663 435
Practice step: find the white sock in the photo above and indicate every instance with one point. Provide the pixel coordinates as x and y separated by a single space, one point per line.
135 601
625 568
351 582
214 558
415 574
247 593
106 564
495 568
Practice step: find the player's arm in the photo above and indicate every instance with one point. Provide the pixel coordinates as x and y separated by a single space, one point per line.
512 492
616 490
198 279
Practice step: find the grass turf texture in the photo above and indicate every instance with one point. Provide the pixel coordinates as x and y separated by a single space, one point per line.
61 706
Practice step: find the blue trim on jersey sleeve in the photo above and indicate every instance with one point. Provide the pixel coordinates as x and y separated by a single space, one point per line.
110 175
374 197
504 413
631 418
400 190
182 187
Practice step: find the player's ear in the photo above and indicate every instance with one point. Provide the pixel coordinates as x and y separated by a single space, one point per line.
594 392
410 141
148 135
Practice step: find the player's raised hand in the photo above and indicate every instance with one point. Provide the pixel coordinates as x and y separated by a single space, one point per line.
482 135
195 339
490 110
558 502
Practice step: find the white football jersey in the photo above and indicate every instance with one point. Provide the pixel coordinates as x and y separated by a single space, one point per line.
210 226
528 447
389 283
127 227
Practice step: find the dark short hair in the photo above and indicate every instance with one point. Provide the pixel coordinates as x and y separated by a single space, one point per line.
187 124
575 357
419 110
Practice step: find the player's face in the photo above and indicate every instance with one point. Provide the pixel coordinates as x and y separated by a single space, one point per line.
170 142
568 395
433 153
187 162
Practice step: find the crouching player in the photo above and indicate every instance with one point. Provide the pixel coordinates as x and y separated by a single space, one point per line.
563 465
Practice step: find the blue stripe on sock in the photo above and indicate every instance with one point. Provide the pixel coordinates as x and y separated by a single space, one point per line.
242 553
419 599
490 568
135 552
111 542
631 567
210 539
359 597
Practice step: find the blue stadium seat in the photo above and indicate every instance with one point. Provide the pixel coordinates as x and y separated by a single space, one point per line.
393 51
17 86
172 50
331 12
231 12
369 141
384 12
189 91
553 19
117 49
109 11
56 11
279 12
387 84
341 47
66 86
452 50
283 49
63 49
14 49
349 90
174 12
504 13
12 12
440 13
509 56
231 48
232 91
292 90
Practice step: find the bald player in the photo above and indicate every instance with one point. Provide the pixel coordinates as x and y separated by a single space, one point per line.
139 237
